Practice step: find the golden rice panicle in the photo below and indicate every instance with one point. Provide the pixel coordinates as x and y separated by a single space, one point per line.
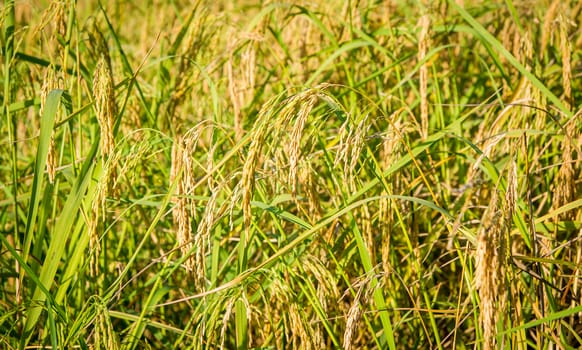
96 43
97 213
225 320
318 330
278 299
508 210
352 14
302 39
392 149
305 103
566 51
301 331
308 180
106 185
423 46
385 221
198 36
249 168
526 93
249 316
106 111
547 29
492 258
105 105
104 336
182 171
508 34
364 218
488 148
488 271
352 143
180 213
202 239
354 315
518 112
54 19
241 80
234 92
258 135
288 162
511 194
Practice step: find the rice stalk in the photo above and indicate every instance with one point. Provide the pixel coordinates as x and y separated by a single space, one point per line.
423 46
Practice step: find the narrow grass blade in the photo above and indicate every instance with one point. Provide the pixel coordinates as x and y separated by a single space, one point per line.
241 325
551 317
74 260
59 238
47 123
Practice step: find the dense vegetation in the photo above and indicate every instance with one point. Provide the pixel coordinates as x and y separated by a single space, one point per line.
260 174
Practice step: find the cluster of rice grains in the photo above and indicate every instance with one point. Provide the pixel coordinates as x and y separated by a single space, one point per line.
193 244
492 257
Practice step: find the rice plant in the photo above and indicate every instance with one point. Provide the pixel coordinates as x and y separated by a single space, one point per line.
280 175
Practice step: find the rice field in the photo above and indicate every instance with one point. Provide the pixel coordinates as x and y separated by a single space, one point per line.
354 174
